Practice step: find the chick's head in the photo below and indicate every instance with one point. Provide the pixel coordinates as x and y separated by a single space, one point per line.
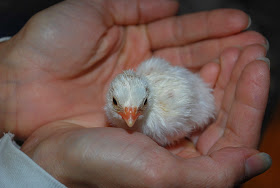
128 98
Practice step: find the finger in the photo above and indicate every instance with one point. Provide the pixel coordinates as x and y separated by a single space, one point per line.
209 73
227 61
248 55
186 29
218 133
213 133
247 111
197 54
243 121
223 168
135 12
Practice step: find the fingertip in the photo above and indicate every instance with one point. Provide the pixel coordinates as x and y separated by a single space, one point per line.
261 66
233 20
257 62
257 164
3 39
249 22
228 60
249 54
209 73
253 37
266 60
239 19
266 45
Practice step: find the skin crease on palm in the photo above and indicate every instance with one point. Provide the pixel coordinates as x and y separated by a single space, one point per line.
58 68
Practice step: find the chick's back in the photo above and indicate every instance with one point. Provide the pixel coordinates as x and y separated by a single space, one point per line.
182 102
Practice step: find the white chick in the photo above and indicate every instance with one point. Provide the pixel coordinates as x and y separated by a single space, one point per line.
164 102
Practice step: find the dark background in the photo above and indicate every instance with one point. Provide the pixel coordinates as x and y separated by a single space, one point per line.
264 14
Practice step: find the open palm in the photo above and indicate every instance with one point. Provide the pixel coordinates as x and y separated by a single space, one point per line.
66 56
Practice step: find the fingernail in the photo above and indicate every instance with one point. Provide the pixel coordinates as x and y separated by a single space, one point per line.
4 39
249 22
265 59
257 164
266 45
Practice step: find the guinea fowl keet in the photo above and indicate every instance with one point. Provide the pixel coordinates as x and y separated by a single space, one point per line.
164 102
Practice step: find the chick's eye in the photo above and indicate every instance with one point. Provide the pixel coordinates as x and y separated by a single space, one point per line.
115 101
145 102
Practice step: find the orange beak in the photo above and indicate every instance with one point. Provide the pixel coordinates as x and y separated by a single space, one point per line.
130 115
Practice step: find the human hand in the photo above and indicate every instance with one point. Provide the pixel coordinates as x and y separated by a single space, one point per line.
62 60
225 155
82 54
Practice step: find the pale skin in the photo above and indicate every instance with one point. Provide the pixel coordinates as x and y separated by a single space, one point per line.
54 74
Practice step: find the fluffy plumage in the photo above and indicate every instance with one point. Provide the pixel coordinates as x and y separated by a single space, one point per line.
164 102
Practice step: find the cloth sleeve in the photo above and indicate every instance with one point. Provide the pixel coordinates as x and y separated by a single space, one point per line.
18 170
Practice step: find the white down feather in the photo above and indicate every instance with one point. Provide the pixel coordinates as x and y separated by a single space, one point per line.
179 102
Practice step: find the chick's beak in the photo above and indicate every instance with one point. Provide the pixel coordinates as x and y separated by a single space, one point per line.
130 115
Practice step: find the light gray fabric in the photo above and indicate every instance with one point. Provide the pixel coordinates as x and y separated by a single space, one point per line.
18 170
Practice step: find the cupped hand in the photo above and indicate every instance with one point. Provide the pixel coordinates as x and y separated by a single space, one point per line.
58 67
225 154
62 61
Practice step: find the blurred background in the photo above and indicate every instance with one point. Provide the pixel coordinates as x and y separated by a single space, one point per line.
264 14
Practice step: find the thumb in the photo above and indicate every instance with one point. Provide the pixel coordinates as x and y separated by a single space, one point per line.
241 164
257 164
225 168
